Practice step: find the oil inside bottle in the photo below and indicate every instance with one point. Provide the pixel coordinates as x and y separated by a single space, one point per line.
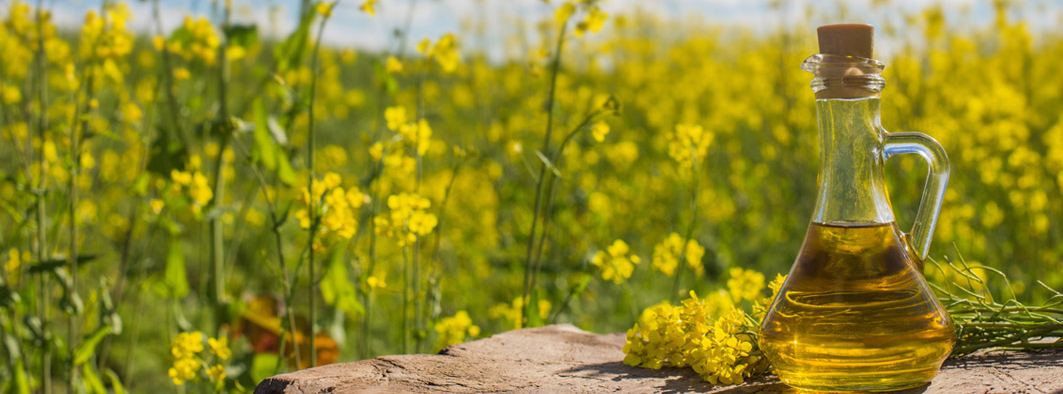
856 314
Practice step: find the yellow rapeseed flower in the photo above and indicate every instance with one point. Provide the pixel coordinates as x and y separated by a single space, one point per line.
216 373
324 8
688 144
220 347
187 344
156 205
377 281
712 338
338 209
200 190
395 117
599 130
615 263
564 12
593 23
510 313
15 260
417 134
745 284
184 369
667 253
393 65
444 51
455 329
11 95
181 73
369 7
407 218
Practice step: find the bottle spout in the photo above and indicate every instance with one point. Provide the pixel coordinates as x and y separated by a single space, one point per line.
843 67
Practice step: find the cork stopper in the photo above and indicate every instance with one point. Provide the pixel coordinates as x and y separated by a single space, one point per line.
847 39
838 45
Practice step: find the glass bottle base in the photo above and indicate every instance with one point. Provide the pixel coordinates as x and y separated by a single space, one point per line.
863 382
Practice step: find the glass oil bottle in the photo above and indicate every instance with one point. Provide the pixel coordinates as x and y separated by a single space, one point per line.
855 313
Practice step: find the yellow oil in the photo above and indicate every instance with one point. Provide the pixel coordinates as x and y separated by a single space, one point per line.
855 314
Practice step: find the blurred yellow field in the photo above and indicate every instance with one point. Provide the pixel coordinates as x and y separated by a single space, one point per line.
200 207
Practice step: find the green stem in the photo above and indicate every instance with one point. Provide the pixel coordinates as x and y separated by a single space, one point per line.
286 283
405 300
695 184
166 76
42 250
374 208
72 259
1020 336
555 160
217 232
417 305
311 146
542 173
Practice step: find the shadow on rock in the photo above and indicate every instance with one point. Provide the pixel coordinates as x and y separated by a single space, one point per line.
671 380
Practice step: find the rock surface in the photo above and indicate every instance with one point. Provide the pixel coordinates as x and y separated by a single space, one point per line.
564 359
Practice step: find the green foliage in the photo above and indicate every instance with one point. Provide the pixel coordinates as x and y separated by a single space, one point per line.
87 348
268 150
174 282
336 287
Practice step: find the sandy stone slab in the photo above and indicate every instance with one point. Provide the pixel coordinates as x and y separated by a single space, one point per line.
565 359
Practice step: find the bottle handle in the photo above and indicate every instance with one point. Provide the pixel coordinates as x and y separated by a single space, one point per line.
934 191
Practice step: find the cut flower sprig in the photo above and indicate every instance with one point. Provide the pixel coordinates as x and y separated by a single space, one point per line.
714 335
983 322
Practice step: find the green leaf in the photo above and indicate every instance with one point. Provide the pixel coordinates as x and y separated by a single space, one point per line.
581 285
22 385
242 35
181 35
47 266
140 185
290 53
51 265
88 348
116 382
265 149
284 170
549 164
174 283
337 289
263 365
91 379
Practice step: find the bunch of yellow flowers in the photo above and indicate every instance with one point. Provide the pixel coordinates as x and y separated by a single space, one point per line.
688 144
196 39
722 349
615 263
408 218
666 255
455 329
187 363
417 134
444 51
509 313
107 34
337 208
197 184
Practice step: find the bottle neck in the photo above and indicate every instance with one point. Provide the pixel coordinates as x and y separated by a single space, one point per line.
852 188
844 76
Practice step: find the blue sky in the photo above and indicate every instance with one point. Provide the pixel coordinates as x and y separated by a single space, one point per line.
502 18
